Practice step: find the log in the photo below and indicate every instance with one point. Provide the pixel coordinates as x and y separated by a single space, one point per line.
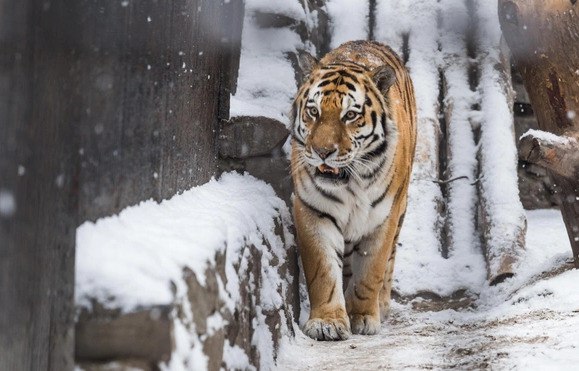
559 154
544 39
501 215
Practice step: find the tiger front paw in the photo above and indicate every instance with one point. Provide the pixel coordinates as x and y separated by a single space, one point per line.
327 329
364 324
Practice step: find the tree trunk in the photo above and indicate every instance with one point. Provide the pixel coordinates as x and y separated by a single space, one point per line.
544 39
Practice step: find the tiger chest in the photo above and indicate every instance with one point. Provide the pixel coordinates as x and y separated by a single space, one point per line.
362 217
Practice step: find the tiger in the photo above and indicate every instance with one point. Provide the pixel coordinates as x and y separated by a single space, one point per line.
353 138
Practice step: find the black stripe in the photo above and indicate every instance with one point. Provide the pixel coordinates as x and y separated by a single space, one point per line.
349 86
327 82
348 75
384 122
315 274
374 138
294 137
376 152
323 191
321 214
379 199
368 101
373 174
401 220
332 293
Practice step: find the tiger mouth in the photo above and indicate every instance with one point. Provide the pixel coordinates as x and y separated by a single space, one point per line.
329 172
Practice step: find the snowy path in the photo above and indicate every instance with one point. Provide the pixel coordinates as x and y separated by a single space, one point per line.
528 322
541 339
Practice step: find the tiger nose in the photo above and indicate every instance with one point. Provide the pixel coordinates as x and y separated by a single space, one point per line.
324 152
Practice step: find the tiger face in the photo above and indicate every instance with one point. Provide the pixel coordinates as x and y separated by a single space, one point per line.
341 119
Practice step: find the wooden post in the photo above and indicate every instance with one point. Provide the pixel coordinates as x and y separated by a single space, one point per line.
156 81
544 39
39 109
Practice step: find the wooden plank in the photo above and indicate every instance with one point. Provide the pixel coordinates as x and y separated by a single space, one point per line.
104 335
39 110
544 39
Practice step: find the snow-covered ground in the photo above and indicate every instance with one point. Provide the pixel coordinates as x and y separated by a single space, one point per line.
529 322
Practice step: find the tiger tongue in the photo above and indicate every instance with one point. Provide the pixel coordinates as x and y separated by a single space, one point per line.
328 169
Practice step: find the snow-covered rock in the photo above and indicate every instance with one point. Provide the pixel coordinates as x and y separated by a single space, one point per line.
219 258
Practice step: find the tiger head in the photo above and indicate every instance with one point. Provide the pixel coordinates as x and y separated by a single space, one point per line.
341 119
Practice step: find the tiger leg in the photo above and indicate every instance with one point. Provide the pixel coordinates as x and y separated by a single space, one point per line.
321 247
363 293
386 292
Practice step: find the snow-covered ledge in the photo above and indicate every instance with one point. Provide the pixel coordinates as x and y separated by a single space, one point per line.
204 280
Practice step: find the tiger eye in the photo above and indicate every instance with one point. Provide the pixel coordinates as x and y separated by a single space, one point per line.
350 115
313 111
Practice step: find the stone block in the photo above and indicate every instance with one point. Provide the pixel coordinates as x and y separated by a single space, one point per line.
248 136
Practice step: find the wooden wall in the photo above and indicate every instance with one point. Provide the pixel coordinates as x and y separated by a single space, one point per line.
102 104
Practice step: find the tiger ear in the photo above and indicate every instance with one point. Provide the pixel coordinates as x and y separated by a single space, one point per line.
307 63
384 77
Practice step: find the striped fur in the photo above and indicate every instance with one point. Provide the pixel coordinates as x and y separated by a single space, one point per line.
348 223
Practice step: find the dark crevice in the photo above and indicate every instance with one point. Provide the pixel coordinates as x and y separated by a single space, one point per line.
442 150
443 161
405 47
372 19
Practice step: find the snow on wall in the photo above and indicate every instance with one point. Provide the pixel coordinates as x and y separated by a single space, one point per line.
136 259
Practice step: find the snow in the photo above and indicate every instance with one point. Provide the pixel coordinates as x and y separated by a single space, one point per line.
348 20
548 137
7 203
420 236
145 247
527 322
266 82
136 259
499 184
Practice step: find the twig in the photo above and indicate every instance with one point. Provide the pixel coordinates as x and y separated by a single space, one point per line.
446 181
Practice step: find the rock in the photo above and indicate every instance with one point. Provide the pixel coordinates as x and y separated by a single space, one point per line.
273 20
536 189
247 136
521 95
216 315
275 171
